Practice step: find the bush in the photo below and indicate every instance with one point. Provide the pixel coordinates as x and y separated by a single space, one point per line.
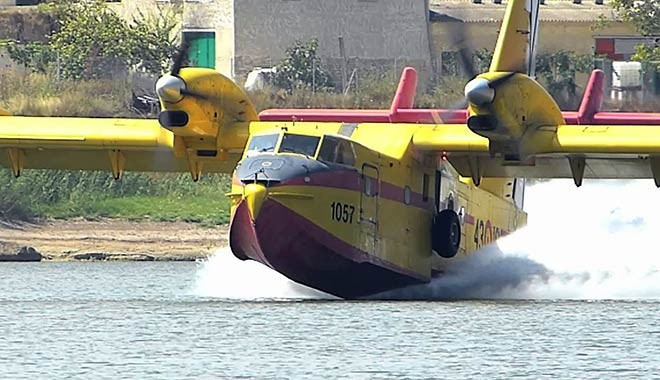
91 41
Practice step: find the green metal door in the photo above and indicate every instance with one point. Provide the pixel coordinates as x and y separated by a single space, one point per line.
201 52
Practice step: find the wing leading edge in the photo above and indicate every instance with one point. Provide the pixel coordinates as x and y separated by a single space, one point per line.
95 144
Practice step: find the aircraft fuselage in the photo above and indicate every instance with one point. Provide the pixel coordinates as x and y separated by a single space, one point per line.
348 209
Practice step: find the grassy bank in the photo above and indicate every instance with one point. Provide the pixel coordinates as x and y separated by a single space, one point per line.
161 197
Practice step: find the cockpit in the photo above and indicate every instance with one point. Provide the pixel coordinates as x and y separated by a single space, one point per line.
326 148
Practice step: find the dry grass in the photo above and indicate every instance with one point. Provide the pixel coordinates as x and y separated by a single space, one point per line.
649 104
370 93
33 94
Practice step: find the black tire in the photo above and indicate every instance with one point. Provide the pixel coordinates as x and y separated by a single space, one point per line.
446 233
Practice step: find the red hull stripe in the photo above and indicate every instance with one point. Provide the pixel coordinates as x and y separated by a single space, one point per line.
306 253
350 180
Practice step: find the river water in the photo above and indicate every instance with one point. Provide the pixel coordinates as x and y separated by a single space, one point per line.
576 294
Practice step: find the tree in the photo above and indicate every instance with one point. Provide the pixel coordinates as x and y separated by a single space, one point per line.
92 41
301 68
557 72
645 16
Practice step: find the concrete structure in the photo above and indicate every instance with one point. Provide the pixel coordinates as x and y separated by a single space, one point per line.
564 25
384 34
234 36
256 33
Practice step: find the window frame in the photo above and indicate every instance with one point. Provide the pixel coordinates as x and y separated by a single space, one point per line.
339 140
316 150
275 147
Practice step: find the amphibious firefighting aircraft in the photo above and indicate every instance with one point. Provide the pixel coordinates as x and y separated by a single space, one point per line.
354 207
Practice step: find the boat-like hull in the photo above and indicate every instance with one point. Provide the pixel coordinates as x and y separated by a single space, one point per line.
306 253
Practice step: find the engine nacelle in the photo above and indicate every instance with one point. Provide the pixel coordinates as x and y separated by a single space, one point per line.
209 115
508 108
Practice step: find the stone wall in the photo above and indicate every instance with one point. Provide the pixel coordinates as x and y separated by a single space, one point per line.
216 16
378 32
24 25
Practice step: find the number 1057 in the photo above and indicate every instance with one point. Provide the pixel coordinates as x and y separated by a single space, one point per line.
342 212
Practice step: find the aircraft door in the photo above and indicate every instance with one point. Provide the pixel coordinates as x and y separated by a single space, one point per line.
369 208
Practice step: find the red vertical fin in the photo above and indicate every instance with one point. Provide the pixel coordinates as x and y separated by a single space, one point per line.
592 99
405 93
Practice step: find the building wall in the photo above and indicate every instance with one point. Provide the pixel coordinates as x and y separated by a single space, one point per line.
217 16
374 30
24 24
553 36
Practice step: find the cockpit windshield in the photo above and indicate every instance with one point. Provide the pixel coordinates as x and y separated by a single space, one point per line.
301 144
262 144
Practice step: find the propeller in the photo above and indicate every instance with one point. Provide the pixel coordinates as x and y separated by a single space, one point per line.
466 60
182 52
481 92
172 88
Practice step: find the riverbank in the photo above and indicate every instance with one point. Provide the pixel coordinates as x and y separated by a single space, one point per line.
114 239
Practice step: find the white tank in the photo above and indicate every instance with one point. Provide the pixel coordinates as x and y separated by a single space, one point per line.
626 75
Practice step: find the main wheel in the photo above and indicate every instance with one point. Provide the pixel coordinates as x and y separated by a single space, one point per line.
446 233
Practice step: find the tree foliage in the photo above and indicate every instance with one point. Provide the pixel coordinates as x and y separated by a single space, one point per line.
301 68
645 16
91 41
558 69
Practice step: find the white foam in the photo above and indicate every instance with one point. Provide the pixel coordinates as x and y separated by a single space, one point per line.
222 275
598 241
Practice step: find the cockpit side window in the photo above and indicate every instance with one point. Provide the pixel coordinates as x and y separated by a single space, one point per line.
328 149
262 144
301 144
337 150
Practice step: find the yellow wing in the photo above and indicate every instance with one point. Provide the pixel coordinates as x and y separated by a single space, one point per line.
96 144
564 151
205 125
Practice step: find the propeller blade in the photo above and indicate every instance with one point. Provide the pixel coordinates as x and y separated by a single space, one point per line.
468 62
498 81
180 57
194 94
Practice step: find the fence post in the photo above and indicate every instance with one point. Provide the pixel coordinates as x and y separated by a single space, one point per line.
342 54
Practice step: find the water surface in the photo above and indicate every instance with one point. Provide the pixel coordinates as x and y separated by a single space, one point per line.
537 305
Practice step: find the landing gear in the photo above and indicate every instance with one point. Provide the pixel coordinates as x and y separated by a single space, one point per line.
446 233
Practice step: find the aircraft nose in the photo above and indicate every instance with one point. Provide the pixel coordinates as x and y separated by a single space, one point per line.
479 92
254 195
169 88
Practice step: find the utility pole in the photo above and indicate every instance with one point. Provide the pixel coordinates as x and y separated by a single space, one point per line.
342 53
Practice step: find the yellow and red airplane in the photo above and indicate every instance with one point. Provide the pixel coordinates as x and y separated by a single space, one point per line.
348 207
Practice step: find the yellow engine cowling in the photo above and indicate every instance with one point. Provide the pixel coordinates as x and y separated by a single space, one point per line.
517 108
209 115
